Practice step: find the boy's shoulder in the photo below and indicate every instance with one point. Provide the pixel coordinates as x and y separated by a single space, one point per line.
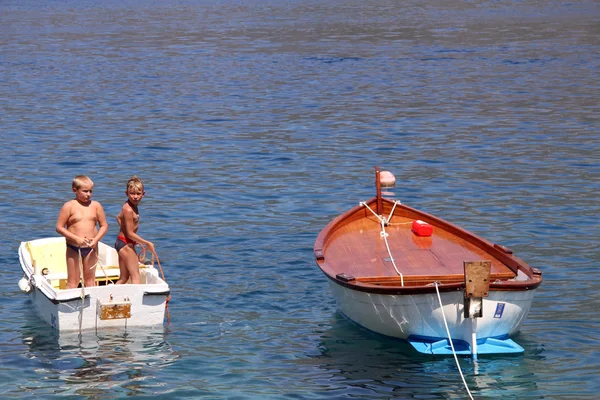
126 207
70 203
96 205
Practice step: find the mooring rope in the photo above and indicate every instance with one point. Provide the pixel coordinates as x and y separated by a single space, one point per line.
142 256
393 208
82 290
98 262
450 340
384 235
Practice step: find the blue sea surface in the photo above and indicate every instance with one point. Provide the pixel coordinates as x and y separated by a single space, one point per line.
253 124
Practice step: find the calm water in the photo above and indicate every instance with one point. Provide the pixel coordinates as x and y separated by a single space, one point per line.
255 123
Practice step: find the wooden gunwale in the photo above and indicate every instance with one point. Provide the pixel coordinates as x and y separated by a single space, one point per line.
423 283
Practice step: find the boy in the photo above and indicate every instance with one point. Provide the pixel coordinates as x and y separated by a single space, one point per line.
129 221
77 222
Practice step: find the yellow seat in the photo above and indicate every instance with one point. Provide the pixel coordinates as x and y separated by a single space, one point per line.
49 255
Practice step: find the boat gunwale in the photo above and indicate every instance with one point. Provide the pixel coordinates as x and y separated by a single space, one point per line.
503 254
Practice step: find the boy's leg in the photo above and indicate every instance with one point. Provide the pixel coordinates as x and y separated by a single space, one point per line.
128 265
73 273
123 272
133 266
89 268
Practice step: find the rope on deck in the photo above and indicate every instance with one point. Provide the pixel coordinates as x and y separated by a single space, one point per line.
384 234
450 340
103 270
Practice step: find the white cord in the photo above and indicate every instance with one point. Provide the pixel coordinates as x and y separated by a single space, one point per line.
102 267
384 235
82 291
393 208
450 340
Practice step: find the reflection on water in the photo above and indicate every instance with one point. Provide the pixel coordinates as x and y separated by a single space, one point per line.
97 364
366 361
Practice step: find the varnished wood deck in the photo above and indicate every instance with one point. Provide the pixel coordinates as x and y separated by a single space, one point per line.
356 248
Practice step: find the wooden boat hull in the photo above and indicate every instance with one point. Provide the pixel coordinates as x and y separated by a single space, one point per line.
98 307
389 277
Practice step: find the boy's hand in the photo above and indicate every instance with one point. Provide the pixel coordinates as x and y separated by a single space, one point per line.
82 242
150 247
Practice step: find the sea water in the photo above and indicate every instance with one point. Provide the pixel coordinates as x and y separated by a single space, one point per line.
253 124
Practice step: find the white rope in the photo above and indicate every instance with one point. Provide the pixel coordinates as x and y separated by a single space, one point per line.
362 203
101 267
82 290
393 208
384 235
450 340
389 218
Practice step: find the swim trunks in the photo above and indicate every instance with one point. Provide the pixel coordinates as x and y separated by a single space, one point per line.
122 241
83 250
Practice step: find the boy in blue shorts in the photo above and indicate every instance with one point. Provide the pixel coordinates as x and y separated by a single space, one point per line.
83 223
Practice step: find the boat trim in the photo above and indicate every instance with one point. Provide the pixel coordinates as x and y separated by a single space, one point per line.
163 293
55 301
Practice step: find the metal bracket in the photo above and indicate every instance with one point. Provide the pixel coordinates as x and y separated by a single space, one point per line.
113 309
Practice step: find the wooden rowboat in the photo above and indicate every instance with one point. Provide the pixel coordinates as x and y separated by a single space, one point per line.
105 305
407 274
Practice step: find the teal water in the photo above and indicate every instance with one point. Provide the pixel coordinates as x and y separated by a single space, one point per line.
255 123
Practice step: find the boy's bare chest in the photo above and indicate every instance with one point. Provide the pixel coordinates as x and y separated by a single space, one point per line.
81 214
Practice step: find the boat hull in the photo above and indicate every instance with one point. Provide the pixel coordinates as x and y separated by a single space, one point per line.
420 315
146 309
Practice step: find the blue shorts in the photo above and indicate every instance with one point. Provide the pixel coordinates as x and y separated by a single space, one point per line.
83 250
122 242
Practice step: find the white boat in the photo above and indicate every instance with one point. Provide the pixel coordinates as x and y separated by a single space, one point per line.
105 305
407 274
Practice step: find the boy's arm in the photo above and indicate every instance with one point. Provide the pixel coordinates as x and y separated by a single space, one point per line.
103 225
127 228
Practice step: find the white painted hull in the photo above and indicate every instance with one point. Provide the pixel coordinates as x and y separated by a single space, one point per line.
146 309
65 310
401 316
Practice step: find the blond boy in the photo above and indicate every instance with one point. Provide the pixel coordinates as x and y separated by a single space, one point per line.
129 221
83 223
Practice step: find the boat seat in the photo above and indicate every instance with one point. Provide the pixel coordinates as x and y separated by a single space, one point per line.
48 255
110 273
59 280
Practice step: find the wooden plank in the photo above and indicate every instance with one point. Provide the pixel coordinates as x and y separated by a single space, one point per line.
477 278
427 278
